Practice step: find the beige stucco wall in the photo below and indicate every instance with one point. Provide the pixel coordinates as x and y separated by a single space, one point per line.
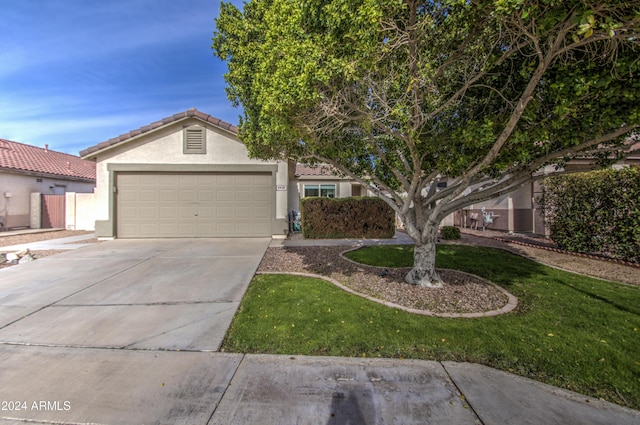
15 210
165 147
514 211
80 211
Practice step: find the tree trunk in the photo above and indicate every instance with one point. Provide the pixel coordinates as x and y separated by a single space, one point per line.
424 272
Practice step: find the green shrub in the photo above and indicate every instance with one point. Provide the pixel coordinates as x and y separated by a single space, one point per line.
596 212
450 233
331 218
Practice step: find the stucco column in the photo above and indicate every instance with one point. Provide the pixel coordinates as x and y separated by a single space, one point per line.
70 210
511 214
35 210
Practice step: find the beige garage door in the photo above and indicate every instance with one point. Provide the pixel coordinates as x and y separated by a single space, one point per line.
186 205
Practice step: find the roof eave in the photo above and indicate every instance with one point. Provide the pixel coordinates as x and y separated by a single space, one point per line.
123 139
94 151
30 173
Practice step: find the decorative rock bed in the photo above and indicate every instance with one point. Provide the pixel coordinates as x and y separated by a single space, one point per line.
463 295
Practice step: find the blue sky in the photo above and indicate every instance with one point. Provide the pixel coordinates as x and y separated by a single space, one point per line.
74 73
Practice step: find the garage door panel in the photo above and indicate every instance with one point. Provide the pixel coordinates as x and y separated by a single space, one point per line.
224 195
149 180
147 195
148 213
261 228
260 212
206 213
166 195
186 212
243 212
206 228
225 213
244 195
128 212
127 195
193 205
148 229
185 229
206 195
165 228
169 213
186 195
261 196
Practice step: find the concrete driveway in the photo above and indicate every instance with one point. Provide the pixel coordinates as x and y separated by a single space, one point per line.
168 294
65 320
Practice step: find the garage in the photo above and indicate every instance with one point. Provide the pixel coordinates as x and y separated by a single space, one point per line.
184 176
197 204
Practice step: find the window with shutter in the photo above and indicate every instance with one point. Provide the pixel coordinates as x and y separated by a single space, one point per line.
195 140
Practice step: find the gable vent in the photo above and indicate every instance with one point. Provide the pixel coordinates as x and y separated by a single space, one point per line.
194 140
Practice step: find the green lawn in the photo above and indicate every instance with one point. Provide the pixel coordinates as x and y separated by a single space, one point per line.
570 331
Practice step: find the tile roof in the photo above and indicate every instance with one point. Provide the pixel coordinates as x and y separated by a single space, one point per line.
193 112
28 159
323 170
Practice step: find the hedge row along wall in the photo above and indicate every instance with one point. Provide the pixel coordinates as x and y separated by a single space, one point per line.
335 218
596 212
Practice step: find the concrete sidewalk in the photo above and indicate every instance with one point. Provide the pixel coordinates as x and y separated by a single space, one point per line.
109 386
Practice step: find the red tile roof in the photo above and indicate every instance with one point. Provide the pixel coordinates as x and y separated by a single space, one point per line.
318 170
18 157
193 112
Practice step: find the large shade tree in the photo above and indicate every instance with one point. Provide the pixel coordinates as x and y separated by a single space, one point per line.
400 94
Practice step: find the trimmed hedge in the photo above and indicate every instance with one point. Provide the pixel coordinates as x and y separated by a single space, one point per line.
337 218
450 233
596 212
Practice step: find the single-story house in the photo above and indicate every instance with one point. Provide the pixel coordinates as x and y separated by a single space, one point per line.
26 169
187 175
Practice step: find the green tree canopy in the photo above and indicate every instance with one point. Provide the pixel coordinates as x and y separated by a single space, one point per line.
399 94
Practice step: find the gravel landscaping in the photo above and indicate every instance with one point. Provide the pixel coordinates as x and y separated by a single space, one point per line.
463 293
37 237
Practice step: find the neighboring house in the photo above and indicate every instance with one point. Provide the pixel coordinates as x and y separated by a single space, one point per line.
518 211
26 169
187 175
320 180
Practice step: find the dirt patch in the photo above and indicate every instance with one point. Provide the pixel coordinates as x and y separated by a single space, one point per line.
37 237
